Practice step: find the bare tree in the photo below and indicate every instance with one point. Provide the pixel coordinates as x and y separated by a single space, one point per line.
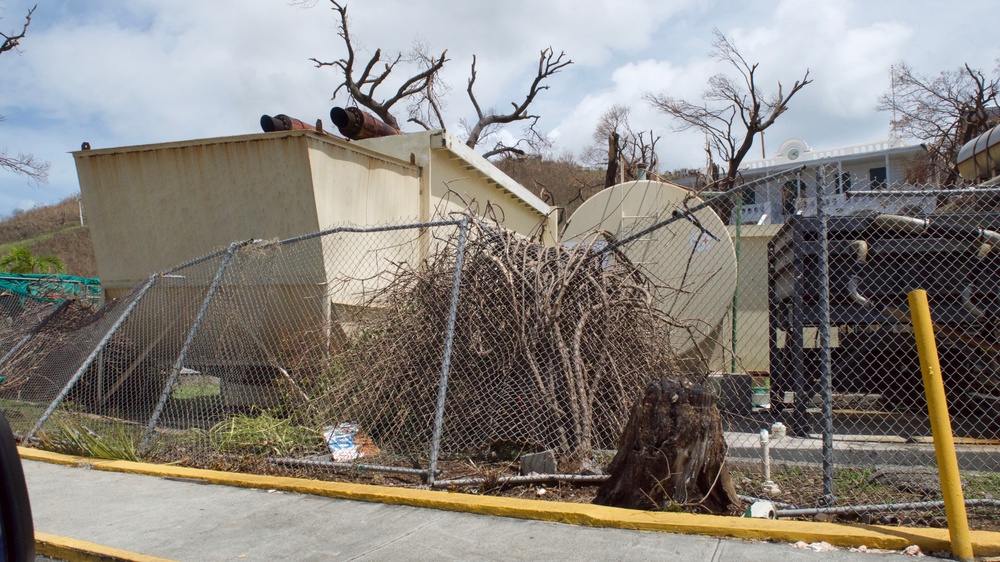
427 105
944 111
22 164
624 150
361 87
489 121
425 92
733 110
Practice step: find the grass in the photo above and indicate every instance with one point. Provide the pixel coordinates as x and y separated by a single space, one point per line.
263 434
108 440
23 225
803 486
982 485
44 237
194 391
22 415
855 480
52 229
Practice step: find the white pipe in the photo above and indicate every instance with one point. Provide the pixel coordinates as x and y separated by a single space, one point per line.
766 442
900 223
852 289
989 237
860 248
765 455
967 302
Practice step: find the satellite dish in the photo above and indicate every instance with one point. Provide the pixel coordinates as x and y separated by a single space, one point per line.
691 261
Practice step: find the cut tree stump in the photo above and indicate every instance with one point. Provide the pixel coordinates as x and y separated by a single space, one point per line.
672 451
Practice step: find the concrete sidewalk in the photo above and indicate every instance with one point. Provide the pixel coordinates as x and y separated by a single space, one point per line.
184 520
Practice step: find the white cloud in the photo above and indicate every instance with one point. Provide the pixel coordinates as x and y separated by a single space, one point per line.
124 72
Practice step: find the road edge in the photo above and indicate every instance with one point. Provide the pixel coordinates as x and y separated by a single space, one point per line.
75 550
985 543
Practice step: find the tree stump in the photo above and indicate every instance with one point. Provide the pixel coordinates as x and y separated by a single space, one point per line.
671 451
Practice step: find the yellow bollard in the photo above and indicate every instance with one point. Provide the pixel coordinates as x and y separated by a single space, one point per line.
944 442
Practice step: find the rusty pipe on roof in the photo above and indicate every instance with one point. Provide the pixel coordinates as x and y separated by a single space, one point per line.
282 122
357 125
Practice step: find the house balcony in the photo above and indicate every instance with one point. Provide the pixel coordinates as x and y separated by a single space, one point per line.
837 205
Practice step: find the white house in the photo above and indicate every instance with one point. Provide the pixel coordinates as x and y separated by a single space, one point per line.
871 166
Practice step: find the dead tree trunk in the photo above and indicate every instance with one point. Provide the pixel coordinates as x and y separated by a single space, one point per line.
671 451
611 175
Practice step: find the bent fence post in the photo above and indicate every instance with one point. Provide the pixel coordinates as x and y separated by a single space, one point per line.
944 440
179 363
449 338
90 358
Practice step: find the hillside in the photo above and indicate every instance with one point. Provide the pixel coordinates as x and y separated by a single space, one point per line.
53 229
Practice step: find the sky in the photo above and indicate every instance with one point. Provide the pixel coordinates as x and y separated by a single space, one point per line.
129 72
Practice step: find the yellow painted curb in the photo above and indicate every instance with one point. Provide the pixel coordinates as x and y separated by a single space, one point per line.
985 543
75 550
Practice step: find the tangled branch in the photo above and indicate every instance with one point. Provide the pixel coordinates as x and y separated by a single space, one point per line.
551 347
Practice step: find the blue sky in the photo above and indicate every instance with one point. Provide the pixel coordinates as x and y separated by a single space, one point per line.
126 72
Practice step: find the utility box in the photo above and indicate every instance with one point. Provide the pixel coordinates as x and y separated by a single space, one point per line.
152 207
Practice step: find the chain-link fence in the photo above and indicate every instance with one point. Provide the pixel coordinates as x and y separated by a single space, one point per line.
843 376
257 349
415 348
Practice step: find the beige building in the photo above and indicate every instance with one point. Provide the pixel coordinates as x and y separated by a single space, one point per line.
453 174
152 207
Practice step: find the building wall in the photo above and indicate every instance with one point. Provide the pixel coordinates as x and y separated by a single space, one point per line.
752 318
153 207
362 187
455 175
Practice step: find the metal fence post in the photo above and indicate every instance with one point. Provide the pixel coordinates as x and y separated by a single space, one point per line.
179 363
449 337
738 203
824 343
90 358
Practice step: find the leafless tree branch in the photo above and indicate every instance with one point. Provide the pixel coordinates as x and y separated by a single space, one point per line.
944 111
425 92
616 144
425 108
733 112
11 41
22 164
548 64
362 88
25 165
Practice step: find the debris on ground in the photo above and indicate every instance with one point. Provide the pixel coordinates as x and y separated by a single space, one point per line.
821 546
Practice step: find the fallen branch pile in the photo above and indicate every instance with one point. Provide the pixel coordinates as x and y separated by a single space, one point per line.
552 346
